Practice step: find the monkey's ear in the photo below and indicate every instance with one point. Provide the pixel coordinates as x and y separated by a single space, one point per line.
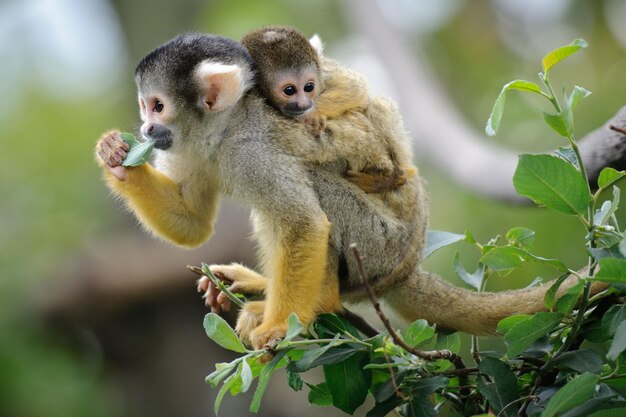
317 44
221 85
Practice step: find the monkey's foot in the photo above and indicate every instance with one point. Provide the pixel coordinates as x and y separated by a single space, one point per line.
267 335
241 279
250 317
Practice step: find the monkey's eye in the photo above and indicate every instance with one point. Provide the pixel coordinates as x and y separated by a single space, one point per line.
158 106
290 90
308 87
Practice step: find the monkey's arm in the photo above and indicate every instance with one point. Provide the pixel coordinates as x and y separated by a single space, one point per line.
182 215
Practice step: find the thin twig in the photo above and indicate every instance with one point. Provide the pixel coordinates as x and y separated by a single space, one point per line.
392 375
427 355
617 129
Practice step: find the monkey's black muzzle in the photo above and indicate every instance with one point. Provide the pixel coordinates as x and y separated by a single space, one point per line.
160 135
295 109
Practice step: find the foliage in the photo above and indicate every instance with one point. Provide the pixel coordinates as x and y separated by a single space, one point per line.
566 361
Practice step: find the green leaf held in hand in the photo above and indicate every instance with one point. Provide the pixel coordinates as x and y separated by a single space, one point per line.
139 152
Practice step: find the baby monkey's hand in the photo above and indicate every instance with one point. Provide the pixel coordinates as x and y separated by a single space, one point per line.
112 151
315 121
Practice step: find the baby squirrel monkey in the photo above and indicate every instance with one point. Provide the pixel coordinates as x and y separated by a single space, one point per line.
299 81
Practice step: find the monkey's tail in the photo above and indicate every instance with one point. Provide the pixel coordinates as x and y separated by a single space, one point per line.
427 296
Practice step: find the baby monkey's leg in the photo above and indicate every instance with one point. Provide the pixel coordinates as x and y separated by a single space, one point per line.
372 181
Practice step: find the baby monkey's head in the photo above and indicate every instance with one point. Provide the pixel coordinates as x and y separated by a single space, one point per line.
288 68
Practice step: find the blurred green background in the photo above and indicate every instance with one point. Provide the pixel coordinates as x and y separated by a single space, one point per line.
67 76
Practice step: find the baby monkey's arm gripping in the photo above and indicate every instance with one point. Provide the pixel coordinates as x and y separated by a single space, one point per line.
180 214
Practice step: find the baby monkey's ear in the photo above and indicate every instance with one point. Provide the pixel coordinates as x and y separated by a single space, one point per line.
317 44
221 85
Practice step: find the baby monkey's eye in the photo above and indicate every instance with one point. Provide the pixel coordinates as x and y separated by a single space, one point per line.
158 106
308 87
290 90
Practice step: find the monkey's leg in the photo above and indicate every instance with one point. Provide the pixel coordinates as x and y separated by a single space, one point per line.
181 215
297 265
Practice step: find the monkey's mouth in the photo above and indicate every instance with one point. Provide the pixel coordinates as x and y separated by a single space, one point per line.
163 143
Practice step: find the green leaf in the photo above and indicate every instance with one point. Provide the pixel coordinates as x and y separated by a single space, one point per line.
619 342
554 57
521 236
319 395
221 333
505 324
294 327
585 360
612 319
607 210
577 94
474 280
503 258
608 176
231 381
222 370
436 239
612 270
323 355
550 298
568 301
558 123
574 393
567 154
139 152
451 342
524 333
330 325
418 332
552 182
388 388
501 387
348 382
613 412
294 380
264 379
493 123
384 408
246 375
419 407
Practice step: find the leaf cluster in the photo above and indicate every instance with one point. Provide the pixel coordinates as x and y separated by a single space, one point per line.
568 360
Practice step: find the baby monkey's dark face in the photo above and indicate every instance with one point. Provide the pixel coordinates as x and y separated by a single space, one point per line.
293 92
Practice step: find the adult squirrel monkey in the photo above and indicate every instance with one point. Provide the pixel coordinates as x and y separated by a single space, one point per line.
215 135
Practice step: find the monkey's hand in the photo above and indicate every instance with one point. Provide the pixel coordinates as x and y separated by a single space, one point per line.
111 151
315 122
241 279
376 182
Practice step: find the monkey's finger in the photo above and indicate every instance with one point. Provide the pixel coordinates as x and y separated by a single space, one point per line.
211 295
224 301
203 284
